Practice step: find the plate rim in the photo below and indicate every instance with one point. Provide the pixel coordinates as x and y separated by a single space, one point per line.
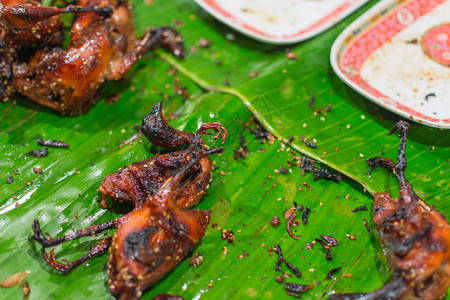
280 40
338 43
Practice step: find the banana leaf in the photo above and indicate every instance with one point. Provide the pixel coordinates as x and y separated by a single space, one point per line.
242 196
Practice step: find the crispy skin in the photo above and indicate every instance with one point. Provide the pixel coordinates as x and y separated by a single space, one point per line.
151 243
415 235
161 230
103 47
156 237
135 182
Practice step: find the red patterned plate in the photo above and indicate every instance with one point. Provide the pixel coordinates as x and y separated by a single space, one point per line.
281 21
398 55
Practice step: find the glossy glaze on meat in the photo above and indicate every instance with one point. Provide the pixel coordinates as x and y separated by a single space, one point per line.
135 182
154 239
161 230
415 235
102 47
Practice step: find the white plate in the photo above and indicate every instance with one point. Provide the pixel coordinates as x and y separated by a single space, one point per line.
280 21
398 55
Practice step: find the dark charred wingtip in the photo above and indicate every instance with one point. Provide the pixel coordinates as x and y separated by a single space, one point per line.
105 12
157 109
402 128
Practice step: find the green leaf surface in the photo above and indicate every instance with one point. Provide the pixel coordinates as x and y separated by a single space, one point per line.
242 197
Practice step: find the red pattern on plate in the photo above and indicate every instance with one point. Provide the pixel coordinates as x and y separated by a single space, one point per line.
436 44
327 19
388 22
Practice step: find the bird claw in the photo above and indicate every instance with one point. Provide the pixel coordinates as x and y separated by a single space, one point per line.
40 237
55 264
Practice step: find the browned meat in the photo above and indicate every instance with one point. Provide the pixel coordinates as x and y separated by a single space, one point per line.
161 230
415 235
135 182
103 47
154 239
23 23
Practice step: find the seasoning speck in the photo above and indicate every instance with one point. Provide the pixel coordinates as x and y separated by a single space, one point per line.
228 235
275 221
359 208
52 143
38 170
196 260
39 152
26 290
332 272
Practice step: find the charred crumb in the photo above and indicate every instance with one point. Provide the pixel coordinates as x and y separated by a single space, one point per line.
196 260
299 207
352 237
297 288
293 268
311 100
289 224
307 165
180 90
327 174
26 290
280 257
10 180
38 170
305 215
284 170
288 212
290 140
39 152
279 279
261 133
327 248
296 295
309 246
332 272
52 143
359 208
291 55
366 224
242 151
430 95
413 41
244 254
228 235
275 221
203 43
308 143
380 162
330 240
